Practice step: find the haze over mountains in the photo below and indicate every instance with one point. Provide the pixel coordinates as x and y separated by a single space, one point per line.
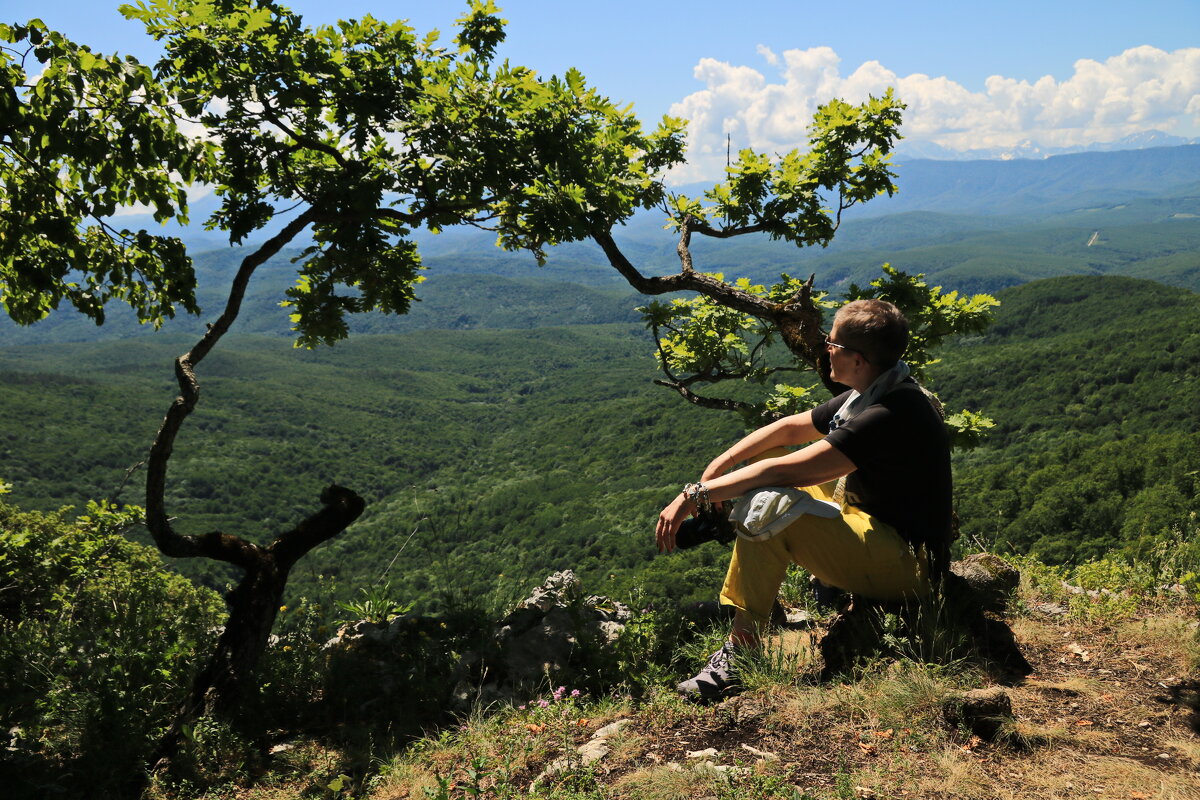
973 226
909 149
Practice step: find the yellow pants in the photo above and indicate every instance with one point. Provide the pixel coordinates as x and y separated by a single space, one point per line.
854 552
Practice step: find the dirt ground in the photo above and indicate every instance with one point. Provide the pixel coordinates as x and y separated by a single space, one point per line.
1107 713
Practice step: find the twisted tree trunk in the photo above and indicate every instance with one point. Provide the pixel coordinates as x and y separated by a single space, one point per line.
254 603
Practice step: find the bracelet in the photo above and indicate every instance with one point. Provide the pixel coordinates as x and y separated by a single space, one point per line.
698 494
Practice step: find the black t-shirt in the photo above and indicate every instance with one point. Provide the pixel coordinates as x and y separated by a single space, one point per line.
901 453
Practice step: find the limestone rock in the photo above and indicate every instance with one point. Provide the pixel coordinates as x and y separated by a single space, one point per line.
991 579
547 628
590 752
553 632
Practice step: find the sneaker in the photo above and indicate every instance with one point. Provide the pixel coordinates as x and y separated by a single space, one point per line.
715 681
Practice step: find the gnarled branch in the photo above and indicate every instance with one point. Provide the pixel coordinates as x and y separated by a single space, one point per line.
216 545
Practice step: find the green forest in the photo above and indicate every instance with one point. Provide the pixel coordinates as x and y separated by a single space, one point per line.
492 457
473 445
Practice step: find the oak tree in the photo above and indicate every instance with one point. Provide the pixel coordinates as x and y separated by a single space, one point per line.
349 137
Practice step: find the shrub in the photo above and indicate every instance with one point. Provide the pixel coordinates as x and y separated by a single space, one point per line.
98 645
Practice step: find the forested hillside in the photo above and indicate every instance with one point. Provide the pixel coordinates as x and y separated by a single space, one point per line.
492 457
535 449
1097 440
526 431
972 226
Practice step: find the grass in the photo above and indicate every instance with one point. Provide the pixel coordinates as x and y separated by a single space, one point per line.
1091 721
1086 723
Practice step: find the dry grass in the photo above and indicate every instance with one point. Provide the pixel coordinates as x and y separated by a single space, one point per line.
627 749
956 774
1172 636
1091 722
1188 751
665 783
1064 773
1034 633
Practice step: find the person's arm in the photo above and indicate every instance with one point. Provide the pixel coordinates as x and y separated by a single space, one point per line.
793 430
820 462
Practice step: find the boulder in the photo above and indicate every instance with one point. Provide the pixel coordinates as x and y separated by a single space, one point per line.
556 632
549 628
960 623
990 579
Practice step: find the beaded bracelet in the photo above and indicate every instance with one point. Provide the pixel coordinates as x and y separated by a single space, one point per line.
698 493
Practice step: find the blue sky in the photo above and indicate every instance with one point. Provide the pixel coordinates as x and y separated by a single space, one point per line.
975 75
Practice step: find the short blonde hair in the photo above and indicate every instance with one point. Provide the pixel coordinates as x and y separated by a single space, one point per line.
875 328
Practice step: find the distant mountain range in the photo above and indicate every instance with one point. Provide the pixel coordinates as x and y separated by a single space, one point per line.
1024 186
966 225
909 149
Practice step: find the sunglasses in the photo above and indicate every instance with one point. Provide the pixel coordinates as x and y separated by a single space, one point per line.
831 343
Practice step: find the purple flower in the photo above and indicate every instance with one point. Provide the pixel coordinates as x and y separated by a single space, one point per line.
520 708
544 703
574 693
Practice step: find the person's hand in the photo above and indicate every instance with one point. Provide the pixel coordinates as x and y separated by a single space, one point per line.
670 519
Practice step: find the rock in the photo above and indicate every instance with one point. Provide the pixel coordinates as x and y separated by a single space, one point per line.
558 590
1050 609
610 729
590 752
760 753
556 631
982 711
800 618
547 629
597 747
593 750
950 625
990 579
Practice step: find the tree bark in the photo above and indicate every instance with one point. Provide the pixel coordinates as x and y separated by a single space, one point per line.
253 605
798 320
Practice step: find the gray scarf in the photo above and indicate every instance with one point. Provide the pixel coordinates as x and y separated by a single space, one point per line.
857 401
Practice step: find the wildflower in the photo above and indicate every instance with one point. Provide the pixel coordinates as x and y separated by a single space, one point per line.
559 692
575 693
521 708
544 703
282 609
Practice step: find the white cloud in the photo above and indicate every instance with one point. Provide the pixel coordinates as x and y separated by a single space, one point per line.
1141 89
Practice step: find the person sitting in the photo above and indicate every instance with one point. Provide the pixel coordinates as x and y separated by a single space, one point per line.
878 452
